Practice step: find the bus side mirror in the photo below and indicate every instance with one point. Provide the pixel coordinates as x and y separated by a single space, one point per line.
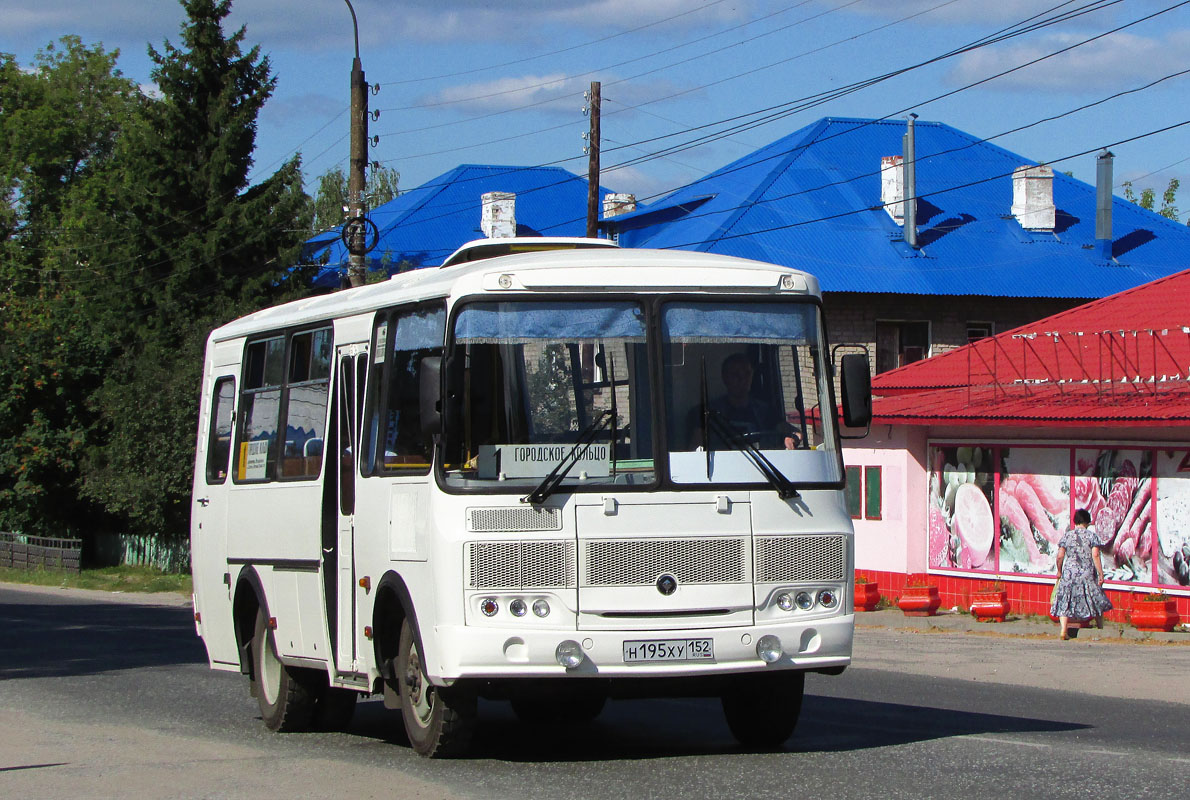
856 384
430 396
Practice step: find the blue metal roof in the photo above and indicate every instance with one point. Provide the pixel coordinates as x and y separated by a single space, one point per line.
423 226
811 200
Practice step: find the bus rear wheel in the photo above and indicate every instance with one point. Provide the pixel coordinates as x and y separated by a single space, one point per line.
283 693
762 710
438 720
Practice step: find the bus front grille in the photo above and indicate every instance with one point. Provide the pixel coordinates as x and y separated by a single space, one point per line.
521 565
793 559
639 562
508 519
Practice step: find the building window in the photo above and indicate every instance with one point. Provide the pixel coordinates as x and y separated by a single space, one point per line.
979 330
901 343
872 492
854 491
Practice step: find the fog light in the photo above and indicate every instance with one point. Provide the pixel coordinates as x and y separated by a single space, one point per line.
541 608
768 647
805 601
518 607
569 654
488 607
784 602
828 598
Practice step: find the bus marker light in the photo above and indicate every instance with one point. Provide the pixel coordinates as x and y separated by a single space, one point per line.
828 598
489 607
273 623
769 649
569 654
367 631
365 583
541 608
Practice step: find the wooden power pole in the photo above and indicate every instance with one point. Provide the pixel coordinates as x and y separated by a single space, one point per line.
357 210
593 164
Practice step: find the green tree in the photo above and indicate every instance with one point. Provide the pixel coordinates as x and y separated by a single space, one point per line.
1148 197
50 362
328 208
199 246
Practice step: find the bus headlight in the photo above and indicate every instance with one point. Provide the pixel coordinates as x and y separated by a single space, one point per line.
518 607
541 608
488 606
784 602
569 654
828 598
804 600
769 649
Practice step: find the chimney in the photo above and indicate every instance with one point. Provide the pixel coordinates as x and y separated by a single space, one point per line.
892 187
1103 204
615 203
497 217
909 150
1033 197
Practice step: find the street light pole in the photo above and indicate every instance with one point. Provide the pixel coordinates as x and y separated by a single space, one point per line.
359 145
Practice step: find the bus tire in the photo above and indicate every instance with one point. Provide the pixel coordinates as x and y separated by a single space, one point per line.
334 708
438 721
283 693
762 710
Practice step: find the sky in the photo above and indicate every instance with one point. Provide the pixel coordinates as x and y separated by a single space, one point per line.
687 86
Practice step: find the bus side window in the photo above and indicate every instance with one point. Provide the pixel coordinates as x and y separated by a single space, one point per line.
418 335
219 436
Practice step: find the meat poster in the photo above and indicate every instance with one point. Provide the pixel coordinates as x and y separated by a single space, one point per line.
1034 505
1116 487
962 527
1173 517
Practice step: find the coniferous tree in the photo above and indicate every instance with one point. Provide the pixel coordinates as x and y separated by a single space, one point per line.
201 246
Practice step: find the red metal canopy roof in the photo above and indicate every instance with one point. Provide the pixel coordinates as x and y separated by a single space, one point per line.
1123 359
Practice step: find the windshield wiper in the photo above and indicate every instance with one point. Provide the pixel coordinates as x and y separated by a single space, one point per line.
558 473
774 476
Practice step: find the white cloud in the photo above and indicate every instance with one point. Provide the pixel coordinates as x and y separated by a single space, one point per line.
555 92
1115 62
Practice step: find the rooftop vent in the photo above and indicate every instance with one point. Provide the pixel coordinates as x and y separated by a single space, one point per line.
1033 197
892 187
616 203
497 218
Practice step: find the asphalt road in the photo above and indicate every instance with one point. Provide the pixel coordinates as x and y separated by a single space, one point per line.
104 696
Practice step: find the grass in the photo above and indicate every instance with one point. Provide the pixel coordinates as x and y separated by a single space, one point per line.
108 579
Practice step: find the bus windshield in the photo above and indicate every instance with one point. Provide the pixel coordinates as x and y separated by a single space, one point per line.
747 394
546 383
549 394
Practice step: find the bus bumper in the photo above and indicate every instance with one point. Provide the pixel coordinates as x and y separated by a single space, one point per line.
467 652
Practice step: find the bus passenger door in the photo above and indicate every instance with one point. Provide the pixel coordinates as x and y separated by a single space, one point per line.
341 606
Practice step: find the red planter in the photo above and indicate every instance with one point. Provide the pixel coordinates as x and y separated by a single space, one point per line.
1154 615
990 605
867 596
919 601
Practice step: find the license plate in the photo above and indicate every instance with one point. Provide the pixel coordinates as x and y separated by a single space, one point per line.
669 650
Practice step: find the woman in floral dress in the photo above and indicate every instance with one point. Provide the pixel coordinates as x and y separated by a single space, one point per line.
1079 593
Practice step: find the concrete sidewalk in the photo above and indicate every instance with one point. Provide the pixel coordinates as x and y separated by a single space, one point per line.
955 621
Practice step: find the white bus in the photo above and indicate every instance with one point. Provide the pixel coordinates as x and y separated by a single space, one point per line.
542 477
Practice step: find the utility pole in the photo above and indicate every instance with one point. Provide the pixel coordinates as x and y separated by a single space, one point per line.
357 230
593 164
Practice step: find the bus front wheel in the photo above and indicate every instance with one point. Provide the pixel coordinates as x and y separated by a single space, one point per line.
762 710
438 720
286 702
